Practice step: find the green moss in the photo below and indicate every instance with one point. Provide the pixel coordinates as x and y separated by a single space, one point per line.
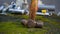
11 27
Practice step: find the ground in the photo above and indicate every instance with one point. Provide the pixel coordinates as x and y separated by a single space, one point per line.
11 24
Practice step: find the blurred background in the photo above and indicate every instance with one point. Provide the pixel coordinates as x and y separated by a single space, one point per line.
49 2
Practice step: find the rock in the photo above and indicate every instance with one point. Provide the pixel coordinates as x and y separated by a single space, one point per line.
39 24
24 22
31 23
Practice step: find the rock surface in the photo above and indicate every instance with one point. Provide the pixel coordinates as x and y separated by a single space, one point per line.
39 24
32 24
24 22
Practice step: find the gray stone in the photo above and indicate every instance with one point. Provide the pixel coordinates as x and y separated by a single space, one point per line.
24 22
31 23
39 24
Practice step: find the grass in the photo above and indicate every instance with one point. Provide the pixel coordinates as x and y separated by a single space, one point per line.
15 27
11 27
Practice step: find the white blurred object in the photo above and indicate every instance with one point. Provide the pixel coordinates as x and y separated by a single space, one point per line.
2 12
58 14
19 2
16 11
40 2
1 8
40 13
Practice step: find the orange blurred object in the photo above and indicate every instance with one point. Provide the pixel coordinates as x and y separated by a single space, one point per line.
33 9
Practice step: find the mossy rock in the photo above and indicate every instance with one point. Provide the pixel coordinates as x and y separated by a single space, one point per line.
24 22
39 24
31 23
